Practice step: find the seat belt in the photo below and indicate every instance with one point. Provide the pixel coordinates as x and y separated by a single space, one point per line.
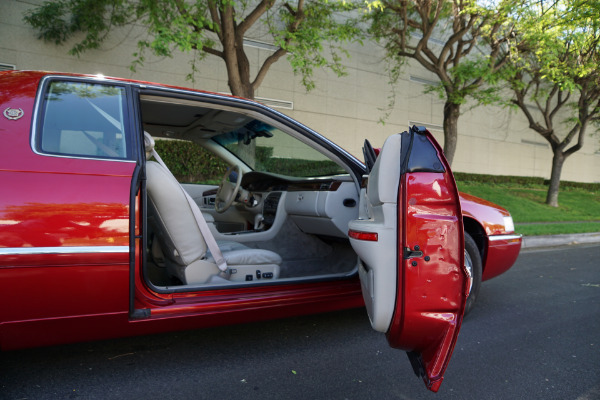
211 243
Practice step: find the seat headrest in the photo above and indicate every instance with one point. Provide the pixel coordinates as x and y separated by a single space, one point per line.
148 144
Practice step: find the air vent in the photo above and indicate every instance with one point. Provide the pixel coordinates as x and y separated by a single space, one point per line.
533 142
423 81
7 67
288 105
260 45
275 103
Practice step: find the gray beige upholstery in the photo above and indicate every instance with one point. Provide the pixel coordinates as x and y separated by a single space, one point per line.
184 248
378 262
385 176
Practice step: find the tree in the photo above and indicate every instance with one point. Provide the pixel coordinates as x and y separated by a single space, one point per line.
208 27
469 55
555 72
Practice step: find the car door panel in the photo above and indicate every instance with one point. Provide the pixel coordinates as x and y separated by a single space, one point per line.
435 284
377 265
410 247
65 210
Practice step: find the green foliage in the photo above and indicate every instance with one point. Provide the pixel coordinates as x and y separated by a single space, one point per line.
263 153
524 181
525 197
189 162
459 27
58 21
460 41
557 43
554 72
208 27
301 168
557 229
291 166
304 44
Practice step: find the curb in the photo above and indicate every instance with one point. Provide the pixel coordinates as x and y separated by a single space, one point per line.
560 240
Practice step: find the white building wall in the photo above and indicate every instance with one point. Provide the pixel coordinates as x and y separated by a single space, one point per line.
346 110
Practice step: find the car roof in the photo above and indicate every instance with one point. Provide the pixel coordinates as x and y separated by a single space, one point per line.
41 74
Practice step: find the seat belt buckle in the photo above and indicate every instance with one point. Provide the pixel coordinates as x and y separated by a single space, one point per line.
227 273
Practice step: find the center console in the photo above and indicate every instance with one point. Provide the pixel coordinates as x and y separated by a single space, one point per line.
270 208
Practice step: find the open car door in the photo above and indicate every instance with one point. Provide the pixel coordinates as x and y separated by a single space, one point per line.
410 244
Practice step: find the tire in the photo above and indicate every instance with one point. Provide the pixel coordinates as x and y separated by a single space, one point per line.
473 263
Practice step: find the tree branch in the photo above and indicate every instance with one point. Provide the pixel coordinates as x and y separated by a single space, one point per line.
260 76
214 14
212 51
254 16
299 16
533 124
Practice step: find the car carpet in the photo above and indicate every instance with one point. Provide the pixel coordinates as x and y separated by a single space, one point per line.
306 254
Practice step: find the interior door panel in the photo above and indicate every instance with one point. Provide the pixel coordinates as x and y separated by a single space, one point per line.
410 245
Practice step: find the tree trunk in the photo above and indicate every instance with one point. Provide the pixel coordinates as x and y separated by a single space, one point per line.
244 86
240 89
239 83
451 114
247 152
557 163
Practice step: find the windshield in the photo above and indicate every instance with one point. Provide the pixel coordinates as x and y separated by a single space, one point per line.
265 148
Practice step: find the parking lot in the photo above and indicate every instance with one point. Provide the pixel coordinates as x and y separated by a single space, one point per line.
534 334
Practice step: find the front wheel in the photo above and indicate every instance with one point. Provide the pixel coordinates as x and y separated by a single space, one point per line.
473 264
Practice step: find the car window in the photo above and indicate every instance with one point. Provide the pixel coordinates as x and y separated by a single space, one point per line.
265 148
84 119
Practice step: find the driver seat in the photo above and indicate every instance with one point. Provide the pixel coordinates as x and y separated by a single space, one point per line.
184 248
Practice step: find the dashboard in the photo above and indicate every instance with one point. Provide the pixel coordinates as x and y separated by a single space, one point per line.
322 206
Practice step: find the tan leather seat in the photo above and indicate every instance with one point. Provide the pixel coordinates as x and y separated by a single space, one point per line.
184 247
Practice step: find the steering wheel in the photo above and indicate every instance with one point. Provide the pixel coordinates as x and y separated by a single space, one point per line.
227 191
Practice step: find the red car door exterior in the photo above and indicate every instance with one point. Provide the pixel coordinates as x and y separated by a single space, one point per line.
64 210
409 238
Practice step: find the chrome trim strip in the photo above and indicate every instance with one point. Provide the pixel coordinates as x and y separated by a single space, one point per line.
9 251
504 237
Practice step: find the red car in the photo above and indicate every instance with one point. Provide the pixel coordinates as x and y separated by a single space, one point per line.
99 240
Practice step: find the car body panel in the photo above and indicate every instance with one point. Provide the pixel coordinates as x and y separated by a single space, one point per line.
487 213
72 257
181 315
435 284
502 253
64 224
500 248
425 277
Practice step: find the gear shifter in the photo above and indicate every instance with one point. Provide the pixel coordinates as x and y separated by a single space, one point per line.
258 222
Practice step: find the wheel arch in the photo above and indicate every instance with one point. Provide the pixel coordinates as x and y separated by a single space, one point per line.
476 231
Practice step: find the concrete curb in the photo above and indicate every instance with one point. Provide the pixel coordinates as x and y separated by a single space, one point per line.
560 240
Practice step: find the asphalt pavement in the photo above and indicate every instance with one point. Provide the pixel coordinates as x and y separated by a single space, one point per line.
534 334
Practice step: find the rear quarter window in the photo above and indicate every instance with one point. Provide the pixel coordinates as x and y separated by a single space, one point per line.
83 119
